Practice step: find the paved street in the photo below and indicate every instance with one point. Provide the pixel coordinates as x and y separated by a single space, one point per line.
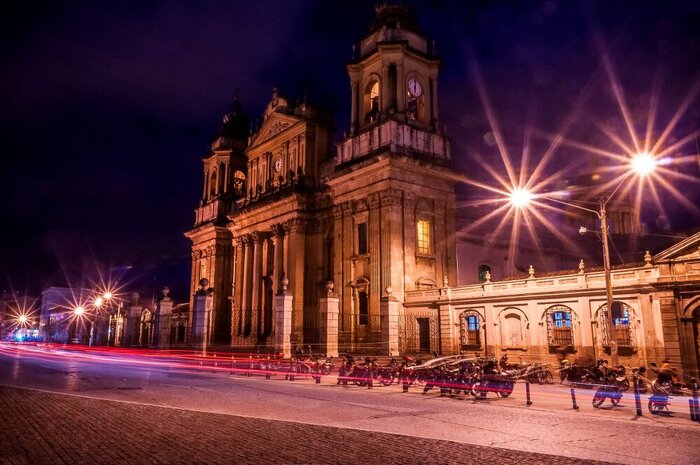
69 429
141 409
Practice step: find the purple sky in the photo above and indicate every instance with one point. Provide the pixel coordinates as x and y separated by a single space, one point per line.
107 108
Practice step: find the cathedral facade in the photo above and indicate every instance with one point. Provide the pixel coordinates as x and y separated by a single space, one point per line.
370 220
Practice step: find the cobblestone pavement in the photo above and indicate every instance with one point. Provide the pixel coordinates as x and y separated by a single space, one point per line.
45 428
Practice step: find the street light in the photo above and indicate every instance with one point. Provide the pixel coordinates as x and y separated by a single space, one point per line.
642 164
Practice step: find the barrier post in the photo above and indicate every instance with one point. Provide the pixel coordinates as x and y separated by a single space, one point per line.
637 396
696 403
527 393
573 397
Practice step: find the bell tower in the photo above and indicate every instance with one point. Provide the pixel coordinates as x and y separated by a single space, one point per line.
392 189
394 76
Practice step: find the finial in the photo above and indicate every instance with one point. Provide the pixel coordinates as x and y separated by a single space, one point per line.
166 291
647 259
445 283
488 276
353 52
531 271
389 290
284 282
275 92
581 267
329 288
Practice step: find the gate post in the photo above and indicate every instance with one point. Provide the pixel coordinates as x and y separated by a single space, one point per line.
328 328
389 322
283 320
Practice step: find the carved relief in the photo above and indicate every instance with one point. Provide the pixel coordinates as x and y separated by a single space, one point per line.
390 197
373 201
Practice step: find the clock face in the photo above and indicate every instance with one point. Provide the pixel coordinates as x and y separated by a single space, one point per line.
278 165
414 88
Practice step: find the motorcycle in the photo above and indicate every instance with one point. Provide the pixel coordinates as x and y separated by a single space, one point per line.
662 388
491 380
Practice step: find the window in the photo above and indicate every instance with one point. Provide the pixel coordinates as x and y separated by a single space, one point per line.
423 237
363 304
371 102
471 330
622 324
483 269
559 328
362 239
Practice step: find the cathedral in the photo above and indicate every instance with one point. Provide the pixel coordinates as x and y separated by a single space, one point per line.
298 243
372 218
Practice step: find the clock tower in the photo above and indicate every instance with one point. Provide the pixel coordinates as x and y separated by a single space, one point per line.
392 187
394 74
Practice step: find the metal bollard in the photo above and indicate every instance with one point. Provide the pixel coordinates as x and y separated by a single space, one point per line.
694 403
318 376
637 396
527 392
573 397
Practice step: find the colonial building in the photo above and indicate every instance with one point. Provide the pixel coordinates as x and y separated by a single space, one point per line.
655 312
376 219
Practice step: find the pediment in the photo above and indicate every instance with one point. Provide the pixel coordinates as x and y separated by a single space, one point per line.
686 249
273 125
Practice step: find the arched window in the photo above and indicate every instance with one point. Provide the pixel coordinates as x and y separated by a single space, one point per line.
622 321
414 100
471 329
212 184
222 178
559 326
483 269
371 102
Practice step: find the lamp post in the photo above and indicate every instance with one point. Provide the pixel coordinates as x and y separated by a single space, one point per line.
642 164
77 315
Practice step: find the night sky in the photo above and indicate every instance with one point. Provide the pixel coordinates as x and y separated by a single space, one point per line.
108 107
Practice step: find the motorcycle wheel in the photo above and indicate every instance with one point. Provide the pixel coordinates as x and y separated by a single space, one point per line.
545 377
598 399
477 390
615 400
385 379
505 390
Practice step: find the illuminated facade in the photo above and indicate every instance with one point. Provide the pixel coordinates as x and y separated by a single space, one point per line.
656 312
376 218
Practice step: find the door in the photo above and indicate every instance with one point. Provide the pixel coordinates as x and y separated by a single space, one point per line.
423 334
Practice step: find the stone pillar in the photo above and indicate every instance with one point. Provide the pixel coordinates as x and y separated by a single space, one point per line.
283 320
133 322
256 284
201 315
278 266
328 327
389 316
446 319
354 107
161 325
247 285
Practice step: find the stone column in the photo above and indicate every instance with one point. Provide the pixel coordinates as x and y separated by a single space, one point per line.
247 285
295 274
161 325
256 284
375 256
389 315
283 320
354 108
328 327
446 319
278 264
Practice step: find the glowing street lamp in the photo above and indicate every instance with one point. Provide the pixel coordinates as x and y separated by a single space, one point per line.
22 319
642 164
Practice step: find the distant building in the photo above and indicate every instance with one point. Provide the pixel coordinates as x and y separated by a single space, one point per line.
19 317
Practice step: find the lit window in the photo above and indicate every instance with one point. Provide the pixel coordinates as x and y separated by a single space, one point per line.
362 239
423 236
559 328
471 328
